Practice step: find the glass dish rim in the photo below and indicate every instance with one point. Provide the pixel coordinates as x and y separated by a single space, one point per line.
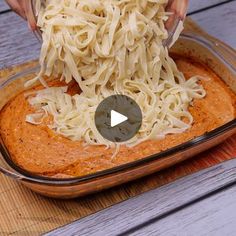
37 179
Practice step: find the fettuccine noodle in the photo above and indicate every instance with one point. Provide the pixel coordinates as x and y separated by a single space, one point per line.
110 47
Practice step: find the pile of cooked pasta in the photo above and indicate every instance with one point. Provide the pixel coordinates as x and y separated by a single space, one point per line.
110 47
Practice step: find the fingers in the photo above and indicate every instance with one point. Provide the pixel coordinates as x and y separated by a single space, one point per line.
29 14
23 8
183 8
179 9
17 7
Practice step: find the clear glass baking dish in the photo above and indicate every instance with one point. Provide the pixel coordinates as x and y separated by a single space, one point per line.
215 54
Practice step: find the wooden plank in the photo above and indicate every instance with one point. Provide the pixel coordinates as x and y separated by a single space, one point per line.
75 209
201 4
219 22
215 215
17 42
3 6
154 204
193 6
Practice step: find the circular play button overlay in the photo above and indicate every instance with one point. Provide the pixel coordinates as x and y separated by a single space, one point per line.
118 118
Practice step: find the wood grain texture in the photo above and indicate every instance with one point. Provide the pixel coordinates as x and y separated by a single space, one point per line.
154 205
195 5
220 22
23 212
17 43
3 6
214 216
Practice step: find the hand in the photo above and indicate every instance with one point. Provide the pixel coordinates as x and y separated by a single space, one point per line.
22 8
178 8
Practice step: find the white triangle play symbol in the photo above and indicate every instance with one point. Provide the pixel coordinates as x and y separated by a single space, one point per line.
117 118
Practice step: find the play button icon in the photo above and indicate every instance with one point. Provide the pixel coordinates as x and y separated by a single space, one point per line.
118 118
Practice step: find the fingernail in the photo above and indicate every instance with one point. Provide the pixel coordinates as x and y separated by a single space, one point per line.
29 26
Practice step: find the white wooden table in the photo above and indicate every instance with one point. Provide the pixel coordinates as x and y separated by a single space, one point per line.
199 204
211 214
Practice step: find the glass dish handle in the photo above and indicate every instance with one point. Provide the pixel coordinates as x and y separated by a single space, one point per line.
5 169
